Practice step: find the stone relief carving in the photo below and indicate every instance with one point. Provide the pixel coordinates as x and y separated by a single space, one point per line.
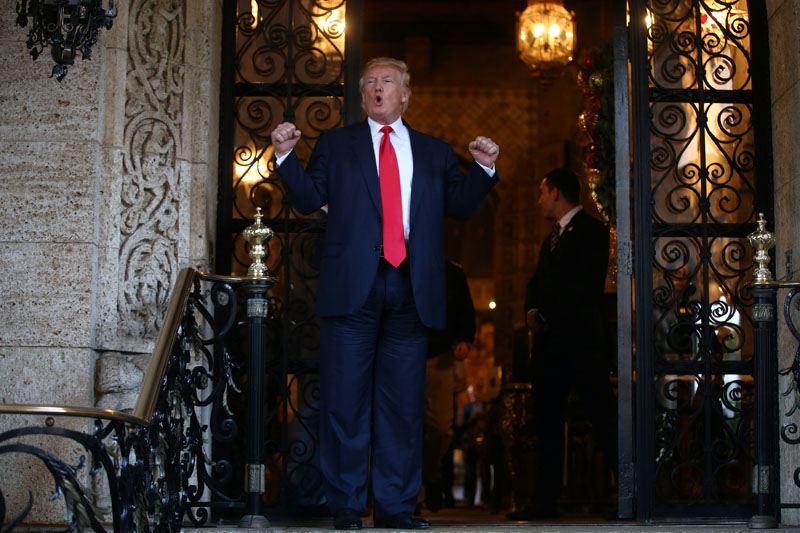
150 202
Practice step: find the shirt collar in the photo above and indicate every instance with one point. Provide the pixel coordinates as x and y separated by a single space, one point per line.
563 221
398 127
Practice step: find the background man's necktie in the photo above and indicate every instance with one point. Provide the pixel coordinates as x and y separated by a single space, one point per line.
394 242
555 236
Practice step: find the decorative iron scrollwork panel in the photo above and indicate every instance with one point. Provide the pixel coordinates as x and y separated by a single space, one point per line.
254 181
702 163
698 198
697 298
701 44
309 34
689 467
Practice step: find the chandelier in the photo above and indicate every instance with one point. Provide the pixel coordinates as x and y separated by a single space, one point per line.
66 26
545 37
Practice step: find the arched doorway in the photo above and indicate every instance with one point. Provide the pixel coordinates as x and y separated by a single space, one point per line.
698 150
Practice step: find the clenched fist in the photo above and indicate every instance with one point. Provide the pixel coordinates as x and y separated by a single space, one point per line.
284 137
484 150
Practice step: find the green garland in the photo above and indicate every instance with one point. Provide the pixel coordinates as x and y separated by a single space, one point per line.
596 79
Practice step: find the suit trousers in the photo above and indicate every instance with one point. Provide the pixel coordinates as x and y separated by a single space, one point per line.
372 382
552 380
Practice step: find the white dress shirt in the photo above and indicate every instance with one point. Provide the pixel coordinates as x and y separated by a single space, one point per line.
405 161
563 221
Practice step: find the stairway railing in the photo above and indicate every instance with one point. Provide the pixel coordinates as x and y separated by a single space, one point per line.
154 463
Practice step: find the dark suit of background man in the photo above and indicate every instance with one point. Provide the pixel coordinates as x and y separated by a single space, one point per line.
377 298
563 307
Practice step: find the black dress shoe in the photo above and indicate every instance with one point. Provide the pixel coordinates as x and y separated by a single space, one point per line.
346 518
529 514
402 521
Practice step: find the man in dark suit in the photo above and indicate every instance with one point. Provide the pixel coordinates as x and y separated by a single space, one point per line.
381 287
563 307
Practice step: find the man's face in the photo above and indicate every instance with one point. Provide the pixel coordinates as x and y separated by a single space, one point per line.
383 95
547 199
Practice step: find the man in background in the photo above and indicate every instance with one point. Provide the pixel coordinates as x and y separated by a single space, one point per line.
564 310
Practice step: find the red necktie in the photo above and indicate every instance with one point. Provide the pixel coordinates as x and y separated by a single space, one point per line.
394 242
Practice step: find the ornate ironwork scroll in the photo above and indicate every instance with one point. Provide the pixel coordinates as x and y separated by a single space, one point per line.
697 197
790 433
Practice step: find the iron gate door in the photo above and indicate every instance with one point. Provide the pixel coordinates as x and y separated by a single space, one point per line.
701 173
284 60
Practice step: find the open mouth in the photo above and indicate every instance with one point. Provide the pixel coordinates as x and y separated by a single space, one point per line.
378 99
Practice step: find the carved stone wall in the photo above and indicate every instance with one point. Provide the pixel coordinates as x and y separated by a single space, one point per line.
164 147
151 186
107 189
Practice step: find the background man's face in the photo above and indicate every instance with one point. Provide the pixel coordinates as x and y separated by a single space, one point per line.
547 199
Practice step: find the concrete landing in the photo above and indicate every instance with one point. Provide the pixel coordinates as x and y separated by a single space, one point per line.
462 520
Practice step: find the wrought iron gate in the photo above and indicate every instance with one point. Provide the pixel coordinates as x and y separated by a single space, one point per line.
702 172
283 60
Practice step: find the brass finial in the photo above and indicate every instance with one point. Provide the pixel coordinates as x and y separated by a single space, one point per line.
257 234
762 240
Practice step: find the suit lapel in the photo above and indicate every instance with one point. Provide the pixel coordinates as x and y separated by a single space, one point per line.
419 178
365 153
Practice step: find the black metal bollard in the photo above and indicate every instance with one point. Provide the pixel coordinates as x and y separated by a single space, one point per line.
766 376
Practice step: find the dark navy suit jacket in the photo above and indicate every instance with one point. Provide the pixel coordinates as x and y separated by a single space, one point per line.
567 288
343 174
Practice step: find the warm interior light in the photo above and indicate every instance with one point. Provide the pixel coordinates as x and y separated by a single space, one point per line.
552 39
254 11
334 24
252 172
492 304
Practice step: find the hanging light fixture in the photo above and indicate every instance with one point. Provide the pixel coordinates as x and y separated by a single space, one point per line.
545 37
66 26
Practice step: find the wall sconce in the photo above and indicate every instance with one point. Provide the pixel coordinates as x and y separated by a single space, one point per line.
66 26
545 37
